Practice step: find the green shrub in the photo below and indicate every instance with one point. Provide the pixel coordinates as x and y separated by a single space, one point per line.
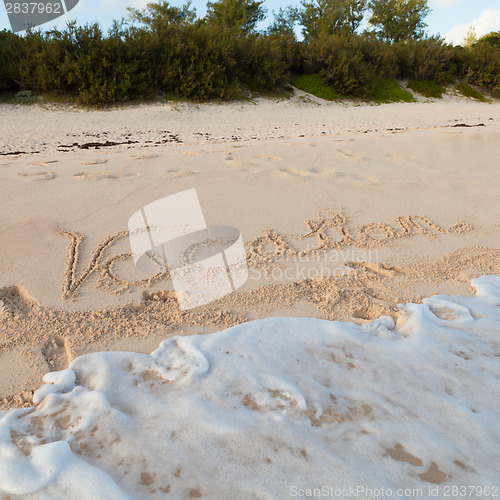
315 85
427 88
25 97
492 39
468 91
428 59
349 64
173 52
100 69
261 61
483 67
194 63
12 48
390 91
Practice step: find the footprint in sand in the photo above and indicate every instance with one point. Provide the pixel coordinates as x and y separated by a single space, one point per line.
399 158
15 301
295 172
381 269
93 176
38 176
98 161
447 310
368 313
177 174
4 311
57 353
349 155
43 163
338 177
234 162
128 176
144 157
343 177
272 158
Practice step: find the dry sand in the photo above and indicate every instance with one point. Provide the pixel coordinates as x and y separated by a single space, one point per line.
346 212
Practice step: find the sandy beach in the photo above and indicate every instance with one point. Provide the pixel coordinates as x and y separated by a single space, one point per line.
346 211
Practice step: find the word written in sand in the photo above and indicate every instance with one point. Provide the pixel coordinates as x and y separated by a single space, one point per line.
330 232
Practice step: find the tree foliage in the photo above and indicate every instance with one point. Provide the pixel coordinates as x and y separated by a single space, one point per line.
470 38
327 17
396 20
284 22
242 15
492 39
168 50
158 16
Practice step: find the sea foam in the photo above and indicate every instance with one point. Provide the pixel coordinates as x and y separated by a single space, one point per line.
275 408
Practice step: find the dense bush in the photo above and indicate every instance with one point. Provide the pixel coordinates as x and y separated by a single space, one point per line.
492 39
81 60
350 64
169 50
483 67
428 59
193 62
11 52
264 61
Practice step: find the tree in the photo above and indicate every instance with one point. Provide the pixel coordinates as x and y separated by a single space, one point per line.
242 15
471 37
355 10
159 15
396 20
492 39
331 16
284 22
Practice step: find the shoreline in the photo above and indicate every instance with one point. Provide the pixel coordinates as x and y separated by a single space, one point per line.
377 404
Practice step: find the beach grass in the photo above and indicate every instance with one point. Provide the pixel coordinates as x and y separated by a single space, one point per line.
427 88
390 91
316 85
467 91
385 91
21 97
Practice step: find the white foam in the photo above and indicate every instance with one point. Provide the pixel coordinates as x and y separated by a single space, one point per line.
268 407
62 381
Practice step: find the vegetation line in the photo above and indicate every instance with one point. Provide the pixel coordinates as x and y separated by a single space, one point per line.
168 51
